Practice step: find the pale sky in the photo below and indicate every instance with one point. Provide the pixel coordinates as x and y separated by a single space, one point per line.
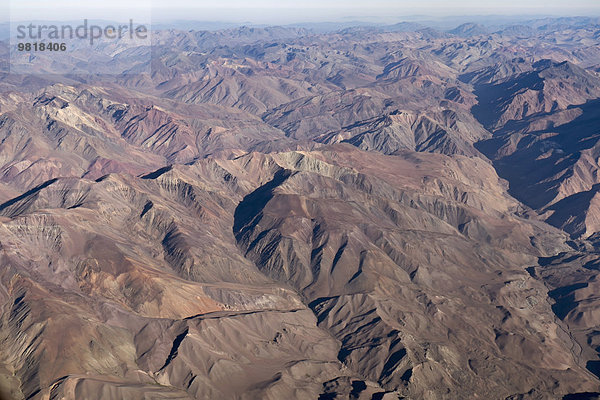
284 11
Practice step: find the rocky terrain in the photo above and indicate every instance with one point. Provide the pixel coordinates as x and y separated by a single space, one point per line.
391 212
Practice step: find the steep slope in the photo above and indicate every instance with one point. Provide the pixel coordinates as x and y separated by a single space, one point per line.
167 305
66 131
549 87
156 301
371 120
550 161
441 131
373 262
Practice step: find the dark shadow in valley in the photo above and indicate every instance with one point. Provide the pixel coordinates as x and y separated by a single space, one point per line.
251 205
492 96
536 163
582 396
565 299
30 193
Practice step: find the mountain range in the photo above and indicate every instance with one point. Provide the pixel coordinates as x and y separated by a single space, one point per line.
370 212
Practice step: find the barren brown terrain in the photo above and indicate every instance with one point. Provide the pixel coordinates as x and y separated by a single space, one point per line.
390 212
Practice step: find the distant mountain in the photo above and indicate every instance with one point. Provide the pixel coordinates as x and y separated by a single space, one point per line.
469 29
404 27
522 31
194 25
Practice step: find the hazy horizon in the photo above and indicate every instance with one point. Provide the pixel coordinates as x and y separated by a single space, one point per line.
436 21
273 12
